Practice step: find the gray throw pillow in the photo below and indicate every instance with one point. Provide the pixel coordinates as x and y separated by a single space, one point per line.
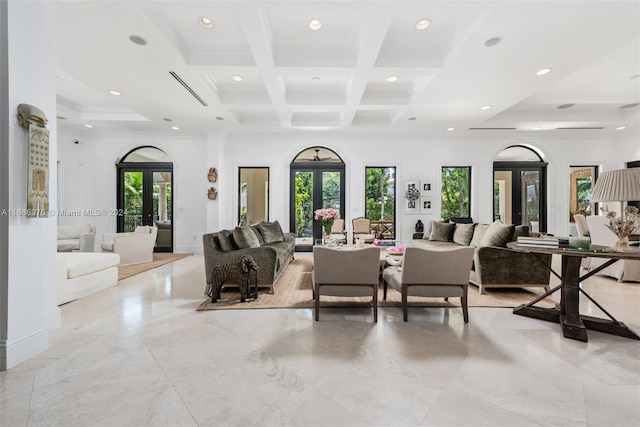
258 234
271 232
520 231
478 233
245 237
442 231
427 228
463 234
227 244
498 234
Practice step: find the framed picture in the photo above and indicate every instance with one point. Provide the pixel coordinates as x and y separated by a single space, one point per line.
412 197
412 206
426 205
427 188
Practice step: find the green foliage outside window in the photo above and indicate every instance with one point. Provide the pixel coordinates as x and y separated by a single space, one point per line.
380 194
304 202
456 192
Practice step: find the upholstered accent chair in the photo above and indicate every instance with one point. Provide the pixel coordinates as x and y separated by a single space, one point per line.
76 238
337 231
623 270
346 273
431 273
133 248
362 229
581 224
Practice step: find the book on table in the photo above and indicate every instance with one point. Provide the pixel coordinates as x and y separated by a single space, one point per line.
545 242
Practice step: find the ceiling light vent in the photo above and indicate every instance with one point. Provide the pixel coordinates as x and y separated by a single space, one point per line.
138 40
492 128
565 106
186 86
492 41
580 128
635 104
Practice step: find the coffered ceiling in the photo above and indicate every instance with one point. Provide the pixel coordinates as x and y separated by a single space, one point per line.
368 69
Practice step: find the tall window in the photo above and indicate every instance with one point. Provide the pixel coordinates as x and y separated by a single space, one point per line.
380 200
456 192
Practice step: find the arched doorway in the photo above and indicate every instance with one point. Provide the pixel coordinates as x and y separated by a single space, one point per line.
317 182
145 193
520 188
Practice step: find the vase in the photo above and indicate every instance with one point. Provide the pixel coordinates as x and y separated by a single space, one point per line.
622 245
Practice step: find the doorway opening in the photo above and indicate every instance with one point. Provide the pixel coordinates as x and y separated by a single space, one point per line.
145 194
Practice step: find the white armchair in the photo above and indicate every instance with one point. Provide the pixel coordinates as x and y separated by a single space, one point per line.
76 238
133 248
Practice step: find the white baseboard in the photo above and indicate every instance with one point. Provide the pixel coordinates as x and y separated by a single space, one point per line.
53 319
188 250
15 351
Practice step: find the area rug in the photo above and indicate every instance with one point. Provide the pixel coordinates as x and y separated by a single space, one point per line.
158 260
293 290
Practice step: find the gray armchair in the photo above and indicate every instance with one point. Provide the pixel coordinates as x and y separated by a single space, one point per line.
346 273
431 273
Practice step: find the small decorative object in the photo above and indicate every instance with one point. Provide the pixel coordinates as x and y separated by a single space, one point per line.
30 115
419 227
212 176
34 119
622 226
212 193
326 218
412 195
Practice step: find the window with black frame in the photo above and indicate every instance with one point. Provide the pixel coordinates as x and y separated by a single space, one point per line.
380 201
456 192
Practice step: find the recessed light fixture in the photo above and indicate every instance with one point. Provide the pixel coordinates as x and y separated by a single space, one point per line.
423 24
237 78
315 79
175 128
88 126
450 129
536 128
565 106
219 118
412 118
315 24
492 41
205 22
392 79
61 117
138 40
621 128
635 104
485 107
635 76
115 92
166 120
543 71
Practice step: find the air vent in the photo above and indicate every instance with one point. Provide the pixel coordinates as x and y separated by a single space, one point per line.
581 128
186 86
492 128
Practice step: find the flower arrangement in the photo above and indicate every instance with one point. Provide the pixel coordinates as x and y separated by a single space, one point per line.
326 218
623 225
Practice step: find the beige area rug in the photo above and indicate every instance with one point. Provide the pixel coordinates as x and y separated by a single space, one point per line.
293 290
158 260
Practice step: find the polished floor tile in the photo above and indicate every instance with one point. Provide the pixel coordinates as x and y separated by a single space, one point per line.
139 354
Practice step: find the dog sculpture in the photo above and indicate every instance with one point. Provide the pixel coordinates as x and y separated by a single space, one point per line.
239 273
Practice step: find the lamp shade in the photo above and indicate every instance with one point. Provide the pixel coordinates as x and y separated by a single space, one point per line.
617 186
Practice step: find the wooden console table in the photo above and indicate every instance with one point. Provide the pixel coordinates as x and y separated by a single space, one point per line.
567 313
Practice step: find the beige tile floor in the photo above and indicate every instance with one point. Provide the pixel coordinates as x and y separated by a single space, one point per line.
139 354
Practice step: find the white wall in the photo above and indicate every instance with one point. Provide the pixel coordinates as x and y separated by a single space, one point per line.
29 307
629 148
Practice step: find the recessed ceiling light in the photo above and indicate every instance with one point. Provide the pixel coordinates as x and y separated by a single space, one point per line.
492 41
115 92
450 129
219 118
485 107
88 126
635 76
175 128
635 104
412 118
563 106
61 117
423 24
205 22
315 79
536 128
166 120
543 71
237 78
138 40
392 79
621 128
315 24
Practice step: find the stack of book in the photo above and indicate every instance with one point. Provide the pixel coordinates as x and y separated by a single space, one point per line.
539 242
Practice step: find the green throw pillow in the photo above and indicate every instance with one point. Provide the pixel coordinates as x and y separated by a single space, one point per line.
463 234
498 234
227 244
271 232
245 237
442 231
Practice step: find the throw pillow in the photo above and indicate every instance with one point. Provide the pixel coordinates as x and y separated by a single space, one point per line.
442 231
258 234
520 231
427 228
498 234
478 233
463 233
271 232
227 244
245 237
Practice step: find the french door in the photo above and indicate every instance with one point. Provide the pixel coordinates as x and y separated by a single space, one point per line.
145 198
313 186
520 194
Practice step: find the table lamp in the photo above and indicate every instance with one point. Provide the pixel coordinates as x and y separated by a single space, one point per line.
621 186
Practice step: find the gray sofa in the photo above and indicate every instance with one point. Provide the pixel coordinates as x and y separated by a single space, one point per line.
494 265
270 248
